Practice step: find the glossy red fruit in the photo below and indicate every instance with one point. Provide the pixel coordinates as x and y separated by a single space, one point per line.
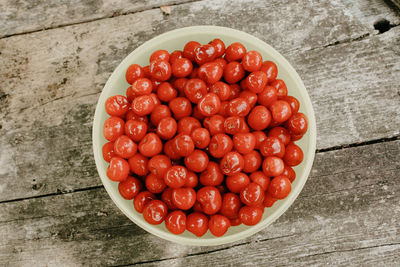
170 151
252 194
182 67
252 61
232 163
159 112
180 107
138 164
175 177
233 72
293 155
204 53
150 145
219 47
117 105
155 212
256 81
236 221
293 102
186 125
259 118
166 128
250 97
130 115
234 125
260 137
279 187
218 225
197 161
297 124
195 90
166 197
197 223
237 182
244 142
212 176
238 107
124 147
289 173
200 137
270 69
183 145
113 128
191 180
135 130
188 50
252 161
215 124
159 165
166 92
267 96
155 184
118 169
220 144
174 56
230 205
160 54
221 89
250 215
129 187
280 111
108 151
134 72
281 133
142 86
272 146
235 51
209 105
280 87
160 70
210 199
184 197
268 200
210 72
273 166
142 199
261 179
143 105
175 222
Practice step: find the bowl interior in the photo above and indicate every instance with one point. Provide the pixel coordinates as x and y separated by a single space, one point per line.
175 40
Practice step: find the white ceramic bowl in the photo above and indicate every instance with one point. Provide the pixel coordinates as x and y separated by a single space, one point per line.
175 40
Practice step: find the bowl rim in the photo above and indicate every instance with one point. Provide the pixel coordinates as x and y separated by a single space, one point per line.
214 30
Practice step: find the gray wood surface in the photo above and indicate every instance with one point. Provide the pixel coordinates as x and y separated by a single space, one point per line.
51 105
54 61
347 213
23 16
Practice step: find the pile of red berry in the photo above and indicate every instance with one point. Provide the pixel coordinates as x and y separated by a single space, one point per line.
204 138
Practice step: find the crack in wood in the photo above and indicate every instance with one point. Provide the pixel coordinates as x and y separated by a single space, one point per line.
365 143
204 252
96 19
349 250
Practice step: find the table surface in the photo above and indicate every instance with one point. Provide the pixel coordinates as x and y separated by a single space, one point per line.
55 57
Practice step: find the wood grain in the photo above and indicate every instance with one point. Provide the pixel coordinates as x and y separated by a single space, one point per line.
24 16
347 214
48 90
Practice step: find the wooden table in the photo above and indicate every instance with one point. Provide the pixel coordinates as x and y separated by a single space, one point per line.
54 61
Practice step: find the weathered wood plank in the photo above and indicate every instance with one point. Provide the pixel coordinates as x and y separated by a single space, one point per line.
348 212
48 90
18 17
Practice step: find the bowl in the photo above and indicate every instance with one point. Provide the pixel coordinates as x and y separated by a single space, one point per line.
175 40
